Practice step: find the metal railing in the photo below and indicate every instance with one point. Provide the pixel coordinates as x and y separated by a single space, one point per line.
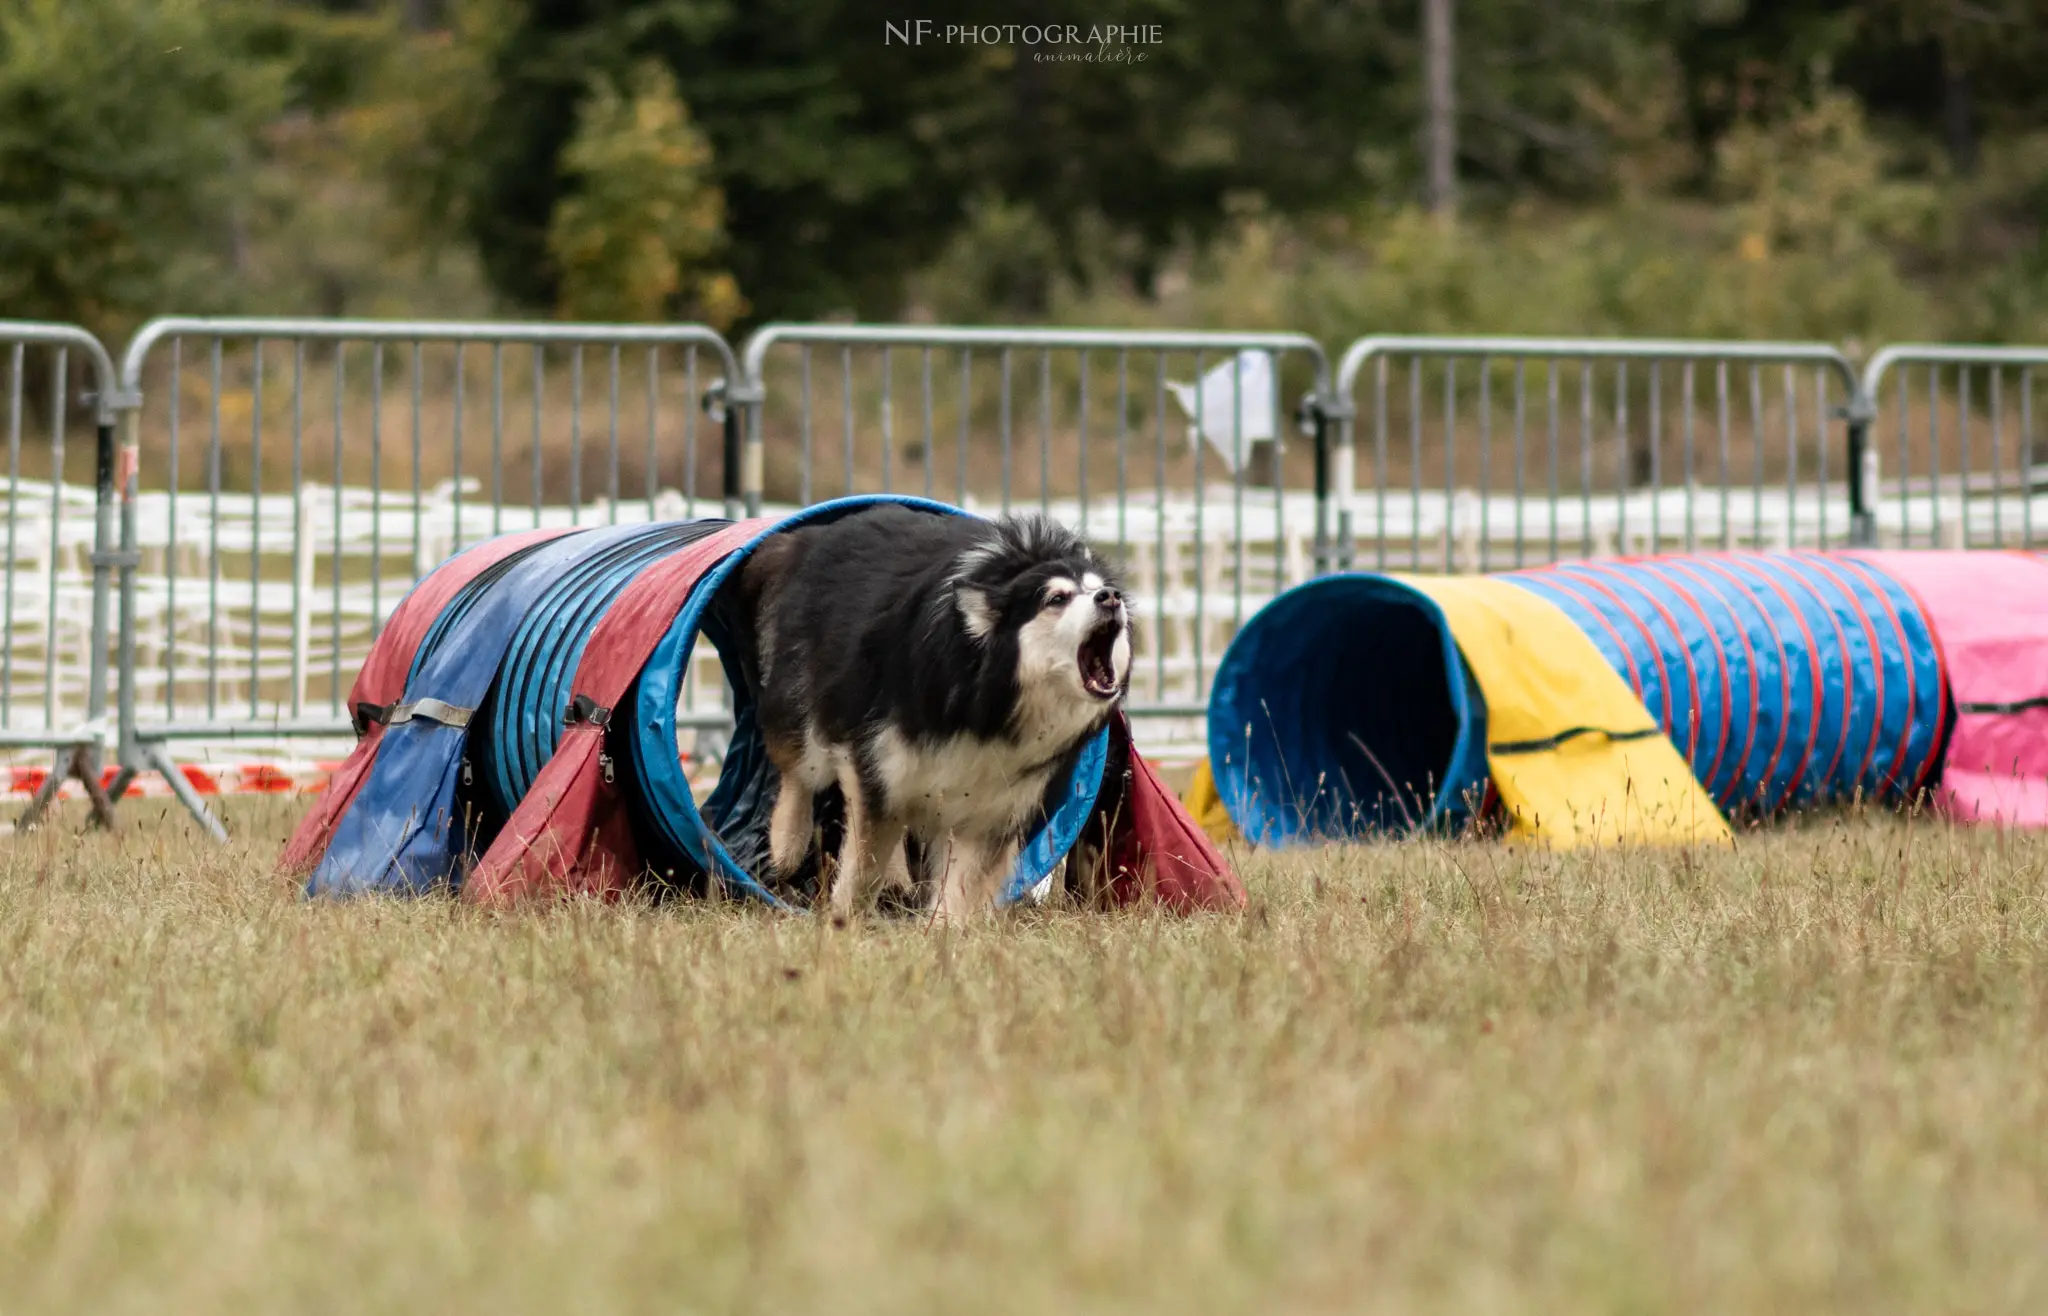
312 470
277 485
1972 472
56 600
1496 452
1204 502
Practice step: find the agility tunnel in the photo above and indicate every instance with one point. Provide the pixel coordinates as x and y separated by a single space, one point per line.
1989 612
1637 700
517 738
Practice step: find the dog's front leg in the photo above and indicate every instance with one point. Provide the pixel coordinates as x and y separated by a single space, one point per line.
853 843
938 856
872 849
1084 884
865 863
893 863
976 869
789 826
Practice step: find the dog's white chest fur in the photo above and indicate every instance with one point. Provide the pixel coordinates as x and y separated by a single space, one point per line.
964 784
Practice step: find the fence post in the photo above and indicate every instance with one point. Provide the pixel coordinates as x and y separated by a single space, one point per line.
736 405
744 466
127 752
1861 413
1336 413
108 400
103 556
1326 416
79 756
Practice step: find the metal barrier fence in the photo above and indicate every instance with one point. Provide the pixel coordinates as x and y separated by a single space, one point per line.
1971 470
56 598
1205 503
309 471
54 603
280 484
1498 452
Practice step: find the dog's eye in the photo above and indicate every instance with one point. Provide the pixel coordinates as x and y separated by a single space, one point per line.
1059 598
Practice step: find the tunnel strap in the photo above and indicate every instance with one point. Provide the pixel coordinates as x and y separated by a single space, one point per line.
1548 743
2016 706
368 715
428 710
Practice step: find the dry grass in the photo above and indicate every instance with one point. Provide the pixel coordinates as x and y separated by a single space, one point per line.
1804 1076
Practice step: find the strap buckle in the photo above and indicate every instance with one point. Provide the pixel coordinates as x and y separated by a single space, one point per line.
583 708
366 715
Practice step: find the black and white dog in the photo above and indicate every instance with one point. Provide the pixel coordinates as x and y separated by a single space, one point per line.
942 671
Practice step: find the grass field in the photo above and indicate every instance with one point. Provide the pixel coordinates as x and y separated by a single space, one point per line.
1807 1075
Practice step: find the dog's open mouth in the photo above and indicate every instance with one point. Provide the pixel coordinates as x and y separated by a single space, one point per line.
1098 667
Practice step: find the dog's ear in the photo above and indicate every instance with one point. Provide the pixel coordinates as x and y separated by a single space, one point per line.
975 611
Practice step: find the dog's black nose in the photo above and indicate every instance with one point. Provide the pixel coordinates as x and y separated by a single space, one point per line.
1108 597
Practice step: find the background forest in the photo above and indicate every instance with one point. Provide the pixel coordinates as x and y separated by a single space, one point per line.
1852 171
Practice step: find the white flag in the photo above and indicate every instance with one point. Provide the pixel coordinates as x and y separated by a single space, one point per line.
1246 381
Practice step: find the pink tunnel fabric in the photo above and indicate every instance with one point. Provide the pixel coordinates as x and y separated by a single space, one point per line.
1989 612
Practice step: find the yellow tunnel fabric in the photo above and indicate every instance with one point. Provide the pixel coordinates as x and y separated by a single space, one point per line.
1576 757
1205 806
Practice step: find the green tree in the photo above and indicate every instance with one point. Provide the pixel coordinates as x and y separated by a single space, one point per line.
635 240
122 123
849 160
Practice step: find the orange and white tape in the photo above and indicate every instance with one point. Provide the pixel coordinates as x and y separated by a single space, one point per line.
310 776
277 777
271 777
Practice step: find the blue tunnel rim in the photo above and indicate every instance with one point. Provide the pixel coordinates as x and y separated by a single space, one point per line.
666 793
1254 820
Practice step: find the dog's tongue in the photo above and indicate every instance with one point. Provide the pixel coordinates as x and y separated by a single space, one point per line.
1098 673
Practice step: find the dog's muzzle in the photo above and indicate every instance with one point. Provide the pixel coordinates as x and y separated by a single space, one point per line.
1097 657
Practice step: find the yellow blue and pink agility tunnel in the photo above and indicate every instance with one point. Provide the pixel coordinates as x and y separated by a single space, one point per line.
1647 700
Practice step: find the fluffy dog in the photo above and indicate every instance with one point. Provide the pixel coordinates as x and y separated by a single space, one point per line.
942 671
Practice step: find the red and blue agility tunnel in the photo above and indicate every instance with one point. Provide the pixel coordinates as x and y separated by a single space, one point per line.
410 815
531 746
1345 707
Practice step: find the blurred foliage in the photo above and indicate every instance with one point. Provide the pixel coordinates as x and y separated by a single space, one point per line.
1845 169
849 161
635 240
122 123
1809 224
